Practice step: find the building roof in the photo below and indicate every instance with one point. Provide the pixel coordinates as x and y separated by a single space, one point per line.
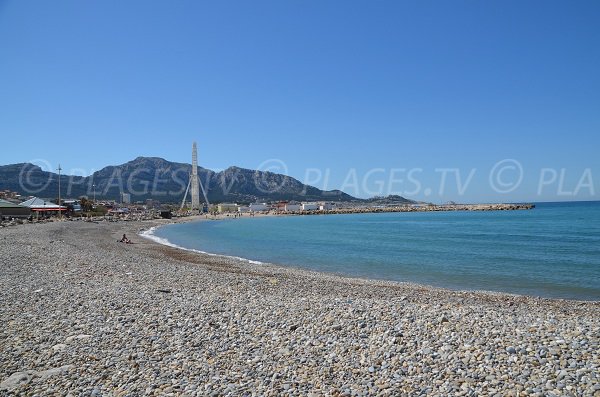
42 205
8 204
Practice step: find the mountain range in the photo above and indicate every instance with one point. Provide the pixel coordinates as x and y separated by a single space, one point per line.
165 181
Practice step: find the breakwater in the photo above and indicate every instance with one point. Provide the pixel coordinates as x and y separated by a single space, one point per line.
416 208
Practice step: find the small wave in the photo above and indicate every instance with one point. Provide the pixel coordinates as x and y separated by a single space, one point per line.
149 234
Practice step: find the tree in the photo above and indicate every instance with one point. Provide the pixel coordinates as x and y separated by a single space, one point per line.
86 205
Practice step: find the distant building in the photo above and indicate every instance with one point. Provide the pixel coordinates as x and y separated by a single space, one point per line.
326 206
310 206
40 206
11 210
227 207
257 207
280 206
126 198
118 211
243 209
150 204
75 204
290 207
9 195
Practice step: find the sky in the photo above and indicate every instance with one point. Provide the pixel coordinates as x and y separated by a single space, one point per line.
466 101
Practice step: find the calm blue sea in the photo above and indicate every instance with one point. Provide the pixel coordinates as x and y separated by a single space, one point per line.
551 251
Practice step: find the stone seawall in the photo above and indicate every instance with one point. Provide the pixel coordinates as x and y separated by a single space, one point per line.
414 208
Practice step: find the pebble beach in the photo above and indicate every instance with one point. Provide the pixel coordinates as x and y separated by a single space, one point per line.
85 315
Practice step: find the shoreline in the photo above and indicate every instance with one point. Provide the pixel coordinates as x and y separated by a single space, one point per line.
85 314
164 242
149 235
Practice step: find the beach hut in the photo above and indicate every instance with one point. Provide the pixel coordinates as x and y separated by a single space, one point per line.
43 207
11 210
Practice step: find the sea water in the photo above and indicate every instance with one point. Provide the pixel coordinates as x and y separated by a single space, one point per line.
550 251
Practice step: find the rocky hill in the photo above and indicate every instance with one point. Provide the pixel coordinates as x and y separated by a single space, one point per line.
389 200
157 178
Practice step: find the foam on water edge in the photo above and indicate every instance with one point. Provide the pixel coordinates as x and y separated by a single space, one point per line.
149 234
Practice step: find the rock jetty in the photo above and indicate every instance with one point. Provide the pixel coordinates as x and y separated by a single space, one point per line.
415 208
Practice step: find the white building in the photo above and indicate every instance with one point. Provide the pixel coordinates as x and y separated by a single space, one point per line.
292 207
125 198
310 206
243 209
326 206
257 207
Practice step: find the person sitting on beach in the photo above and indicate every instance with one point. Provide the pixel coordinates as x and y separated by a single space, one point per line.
125 240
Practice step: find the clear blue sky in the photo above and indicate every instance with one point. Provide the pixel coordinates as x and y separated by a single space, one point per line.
330 85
